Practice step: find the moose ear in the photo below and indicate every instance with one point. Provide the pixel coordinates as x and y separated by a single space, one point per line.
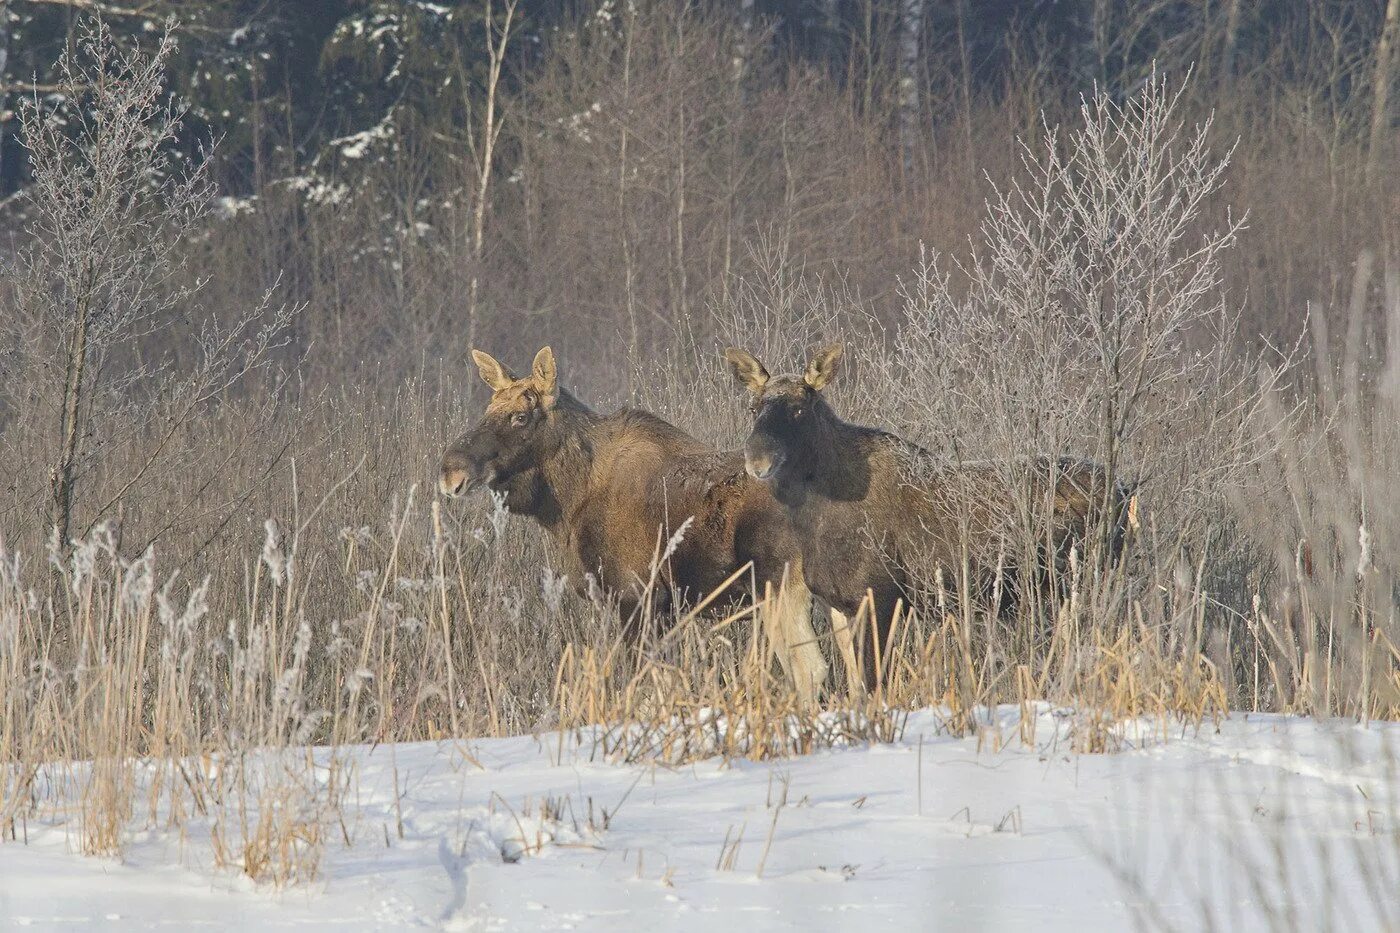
546 377
747 370
822 367
492 372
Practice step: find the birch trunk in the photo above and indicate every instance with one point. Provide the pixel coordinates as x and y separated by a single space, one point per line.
1385 77
1232 35
69 433
491 131
910 23
741 55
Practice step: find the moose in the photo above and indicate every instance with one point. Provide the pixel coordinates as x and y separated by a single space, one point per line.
878 515
610 490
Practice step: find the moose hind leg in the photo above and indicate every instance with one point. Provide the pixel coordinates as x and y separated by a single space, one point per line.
874 627
844 635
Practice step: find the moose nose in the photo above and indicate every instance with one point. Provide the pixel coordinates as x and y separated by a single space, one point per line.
762 465
452 482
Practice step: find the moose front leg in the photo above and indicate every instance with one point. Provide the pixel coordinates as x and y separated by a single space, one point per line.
787 620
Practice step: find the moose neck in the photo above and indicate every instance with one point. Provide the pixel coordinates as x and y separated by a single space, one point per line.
550 491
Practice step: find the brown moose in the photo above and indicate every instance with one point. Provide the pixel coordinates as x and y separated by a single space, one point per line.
879 516
612 489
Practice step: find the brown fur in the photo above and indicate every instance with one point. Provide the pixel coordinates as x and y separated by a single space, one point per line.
608 487
878 514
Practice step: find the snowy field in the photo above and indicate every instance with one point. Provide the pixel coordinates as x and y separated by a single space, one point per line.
1270 822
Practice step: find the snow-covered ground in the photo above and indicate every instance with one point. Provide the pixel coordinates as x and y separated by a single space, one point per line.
1270 822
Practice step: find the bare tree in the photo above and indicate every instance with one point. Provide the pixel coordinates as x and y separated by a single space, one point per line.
103 292
1096 321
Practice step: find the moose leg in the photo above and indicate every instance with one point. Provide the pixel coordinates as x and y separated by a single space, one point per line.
875 624
788 622
846 645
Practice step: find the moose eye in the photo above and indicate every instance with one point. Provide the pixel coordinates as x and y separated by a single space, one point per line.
797 412
519 419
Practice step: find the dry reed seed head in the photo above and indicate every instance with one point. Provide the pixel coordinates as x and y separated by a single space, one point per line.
196 607
10 575
500 515
138 580
552 588
88 555
360 536
53 548
367 581
286 692
357 680
338 647
273 556
676 538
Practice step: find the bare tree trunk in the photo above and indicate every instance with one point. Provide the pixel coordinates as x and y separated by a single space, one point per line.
680 216
485 156
831 24
965 67
1205 51
1103 38
109 211
1380 86
69 436
1390 374
741 56
257 124
1232 35
679 301
741 66
910 25
634 331
4 76
867 47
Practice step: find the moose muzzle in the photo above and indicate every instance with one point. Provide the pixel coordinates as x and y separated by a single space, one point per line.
761 458
466 466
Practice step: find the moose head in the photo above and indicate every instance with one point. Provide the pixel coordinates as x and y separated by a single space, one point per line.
515 435
790 416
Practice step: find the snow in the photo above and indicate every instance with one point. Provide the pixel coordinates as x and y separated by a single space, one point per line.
357 145
228 207
1265 821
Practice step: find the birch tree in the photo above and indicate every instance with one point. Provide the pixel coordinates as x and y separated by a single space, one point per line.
103 292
